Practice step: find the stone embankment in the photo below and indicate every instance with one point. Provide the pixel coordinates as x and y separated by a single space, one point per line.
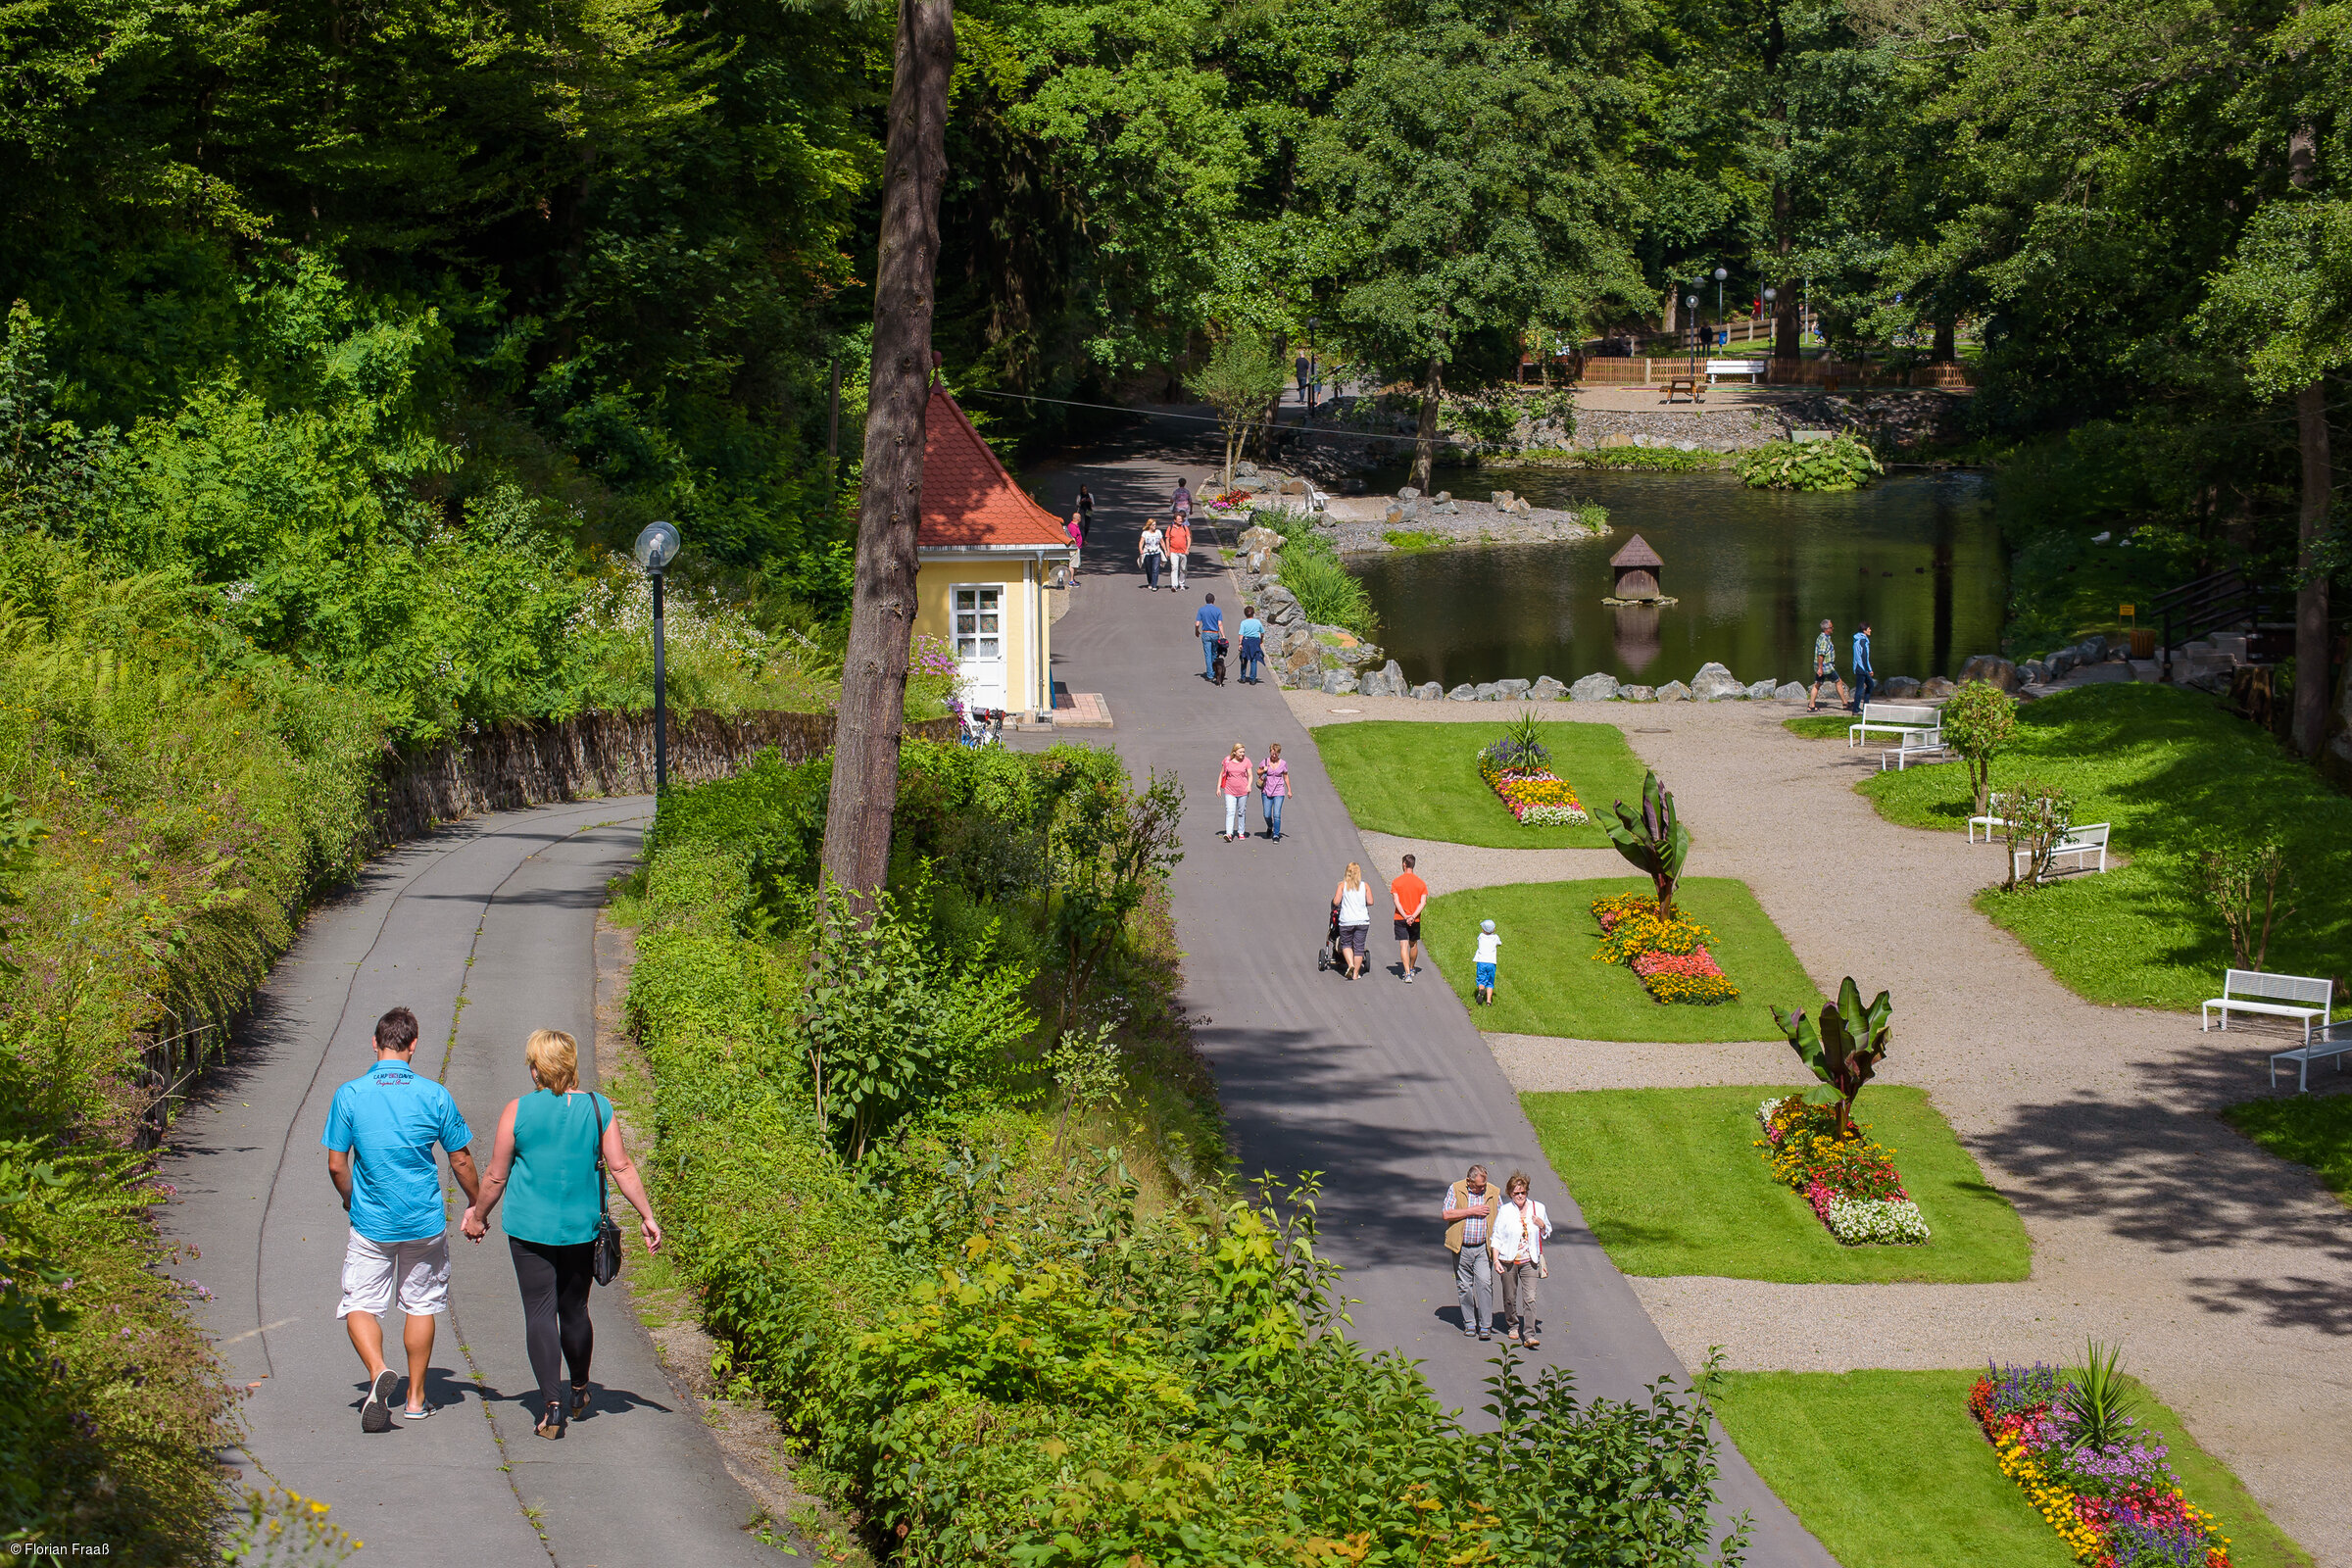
1365 526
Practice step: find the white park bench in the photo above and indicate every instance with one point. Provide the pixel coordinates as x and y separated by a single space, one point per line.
1892 718
1753 369
1993 823
2335 1040
1914 744
2283 996
2081 843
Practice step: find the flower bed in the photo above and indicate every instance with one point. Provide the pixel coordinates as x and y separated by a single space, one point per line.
2116 1507
1850 1182
1670 956
1536 795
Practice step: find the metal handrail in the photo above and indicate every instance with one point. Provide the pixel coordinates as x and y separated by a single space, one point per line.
2212 603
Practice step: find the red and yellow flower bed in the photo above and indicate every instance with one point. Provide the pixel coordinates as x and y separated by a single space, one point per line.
1670 956
2116 1505
1536 796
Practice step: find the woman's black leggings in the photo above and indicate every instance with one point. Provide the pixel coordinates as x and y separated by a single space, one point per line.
554 1283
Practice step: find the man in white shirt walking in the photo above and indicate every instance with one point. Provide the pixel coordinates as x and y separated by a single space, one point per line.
1519 1228
1468 1210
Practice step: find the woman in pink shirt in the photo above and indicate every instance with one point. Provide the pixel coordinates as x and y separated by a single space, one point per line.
1274 785
1233 782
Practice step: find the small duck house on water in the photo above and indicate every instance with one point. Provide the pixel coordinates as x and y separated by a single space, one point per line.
1636 566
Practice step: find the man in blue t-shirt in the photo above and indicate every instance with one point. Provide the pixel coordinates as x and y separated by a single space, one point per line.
1209 625
380 1132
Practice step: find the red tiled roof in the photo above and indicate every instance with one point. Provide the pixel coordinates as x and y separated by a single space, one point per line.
968 499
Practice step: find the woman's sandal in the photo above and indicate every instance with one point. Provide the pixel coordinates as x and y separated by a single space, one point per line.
579 1400
551 1425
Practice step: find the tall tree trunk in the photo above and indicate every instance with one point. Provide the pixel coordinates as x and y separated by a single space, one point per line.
2307 731
873 671
1947 336
1787 330
1425 441
2312 685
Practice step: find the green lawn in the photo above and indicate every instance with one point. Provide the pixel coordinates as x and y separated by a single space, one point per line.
1820 726
1672 1183
1550 984
2314 1130
1889 1470
1420 780
2173 772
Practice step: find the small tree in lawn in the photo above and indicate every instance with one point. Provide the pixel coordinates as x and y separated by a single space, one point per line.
2250 885
1843 1046
1978 720
1241 378
1654 839
2039 817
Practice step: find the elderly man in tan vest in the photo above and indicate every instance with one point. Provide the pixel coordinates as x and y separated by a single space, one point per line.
1469 1211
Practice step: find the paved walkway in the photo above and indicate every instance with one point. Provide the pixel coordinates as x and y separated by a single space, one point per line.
486 930
2224 1273
1384 1088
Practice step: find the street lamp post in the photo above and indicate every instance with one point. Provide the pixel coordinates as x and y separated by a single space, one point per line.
1720 275
1315 373
1691 308
1773 336
657 547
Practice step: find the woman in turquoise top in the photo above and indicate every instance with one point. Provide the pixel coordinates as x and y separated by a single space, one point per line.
548 1143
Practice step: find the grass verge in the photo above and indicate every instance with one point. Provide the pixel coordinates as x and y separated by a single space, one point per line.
2314 1130
1671 1183
1819 726
1550 984
2174 774
1937 1497
1419 780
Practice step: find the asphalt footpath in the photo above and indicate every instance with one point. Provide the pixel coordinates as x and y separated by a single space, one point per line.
486 931
1386 1088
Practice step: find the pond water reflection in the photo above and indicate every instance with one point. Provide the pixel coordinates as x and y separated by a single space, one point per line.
1755 571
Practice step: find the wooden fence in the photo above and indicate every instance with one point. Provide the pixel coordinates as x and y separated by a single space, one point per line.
1658 369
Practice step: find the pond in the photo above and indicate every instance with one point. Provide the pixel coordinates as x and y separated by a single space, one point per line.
1754 572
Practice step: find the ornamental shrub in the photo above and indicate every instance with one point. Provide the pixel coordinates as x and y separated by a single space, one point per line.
1843 463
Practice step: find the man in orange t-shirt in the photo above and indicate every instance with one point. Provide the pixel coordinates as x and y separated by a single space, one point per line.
1409 893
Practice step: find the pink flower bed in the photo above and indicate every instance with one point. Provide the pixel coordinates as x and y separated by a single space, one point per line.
1696 964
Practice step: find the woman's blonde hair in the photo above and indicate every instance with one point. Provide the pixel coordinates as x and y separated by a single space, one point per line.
556 1058
1354 877
1239 749
1274 751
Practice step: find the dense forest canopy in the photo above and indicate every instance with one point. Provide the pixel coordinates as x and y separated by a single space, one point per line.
332 300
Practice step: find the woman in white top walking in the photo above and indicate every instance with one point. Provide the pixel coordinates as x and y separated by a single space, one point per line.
1149 552
1356 917
1517 1237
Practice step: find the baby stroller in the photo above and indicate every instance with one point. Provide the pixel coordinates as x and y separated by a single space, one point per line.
983 726
1329 956
1217 652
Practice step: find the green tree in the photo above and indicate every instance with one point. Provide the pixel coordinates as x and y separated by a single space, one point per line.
1240 382
1465 177
1977 720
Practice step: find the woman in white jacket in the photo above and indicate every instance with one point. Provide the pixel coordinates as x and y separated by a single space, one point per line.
1517 1240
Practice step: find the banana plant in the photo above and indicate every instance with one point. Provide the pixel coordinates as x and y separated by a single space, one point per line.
1655 840
1842 1048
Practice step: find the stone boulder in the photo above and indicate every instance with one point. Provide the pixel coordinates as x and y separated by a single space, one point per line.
1898 687
1294 487
1386 681
1244 470
1637 693
1511 691
1937 686
1546 690
1338 683
1500 498
1790 692
1429 691
1257 536
1673 691
1279 607
2059 663
1407 493
1443 497
2091 651
1485 691
1595 689
1714 684
2034 672
1464 693
1994 669
1760 691
1616 438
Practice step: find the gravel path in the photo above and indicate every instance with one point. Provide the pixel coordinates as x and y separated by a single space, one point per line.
2226 1273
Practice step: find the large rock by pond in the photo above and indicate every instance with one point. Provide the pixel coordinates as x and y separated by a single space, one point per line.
1994 669
1637 693
1338 683
1597 688
1673 691
1714 684
1791 693
1896 687
1429 691
1464 693
1760 691
1546 690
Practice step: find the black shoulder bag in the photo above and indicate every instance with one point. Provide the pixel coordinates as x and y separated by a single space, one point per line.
605 1254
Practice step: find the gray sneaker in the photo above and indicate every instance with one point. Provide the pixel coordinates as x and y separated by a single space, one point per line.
375 1415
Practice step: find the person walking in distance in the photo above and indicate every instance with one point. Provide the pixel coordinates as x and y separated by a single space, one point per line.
1468 1213
1274 789
1866 679
1517 1237
1233 786
1180 550
1077 538
1489 955
1086 513
1252 632
1208 624
1180 505
1356 917
553 1150
1409 893
380 1131
1149 551
1825 670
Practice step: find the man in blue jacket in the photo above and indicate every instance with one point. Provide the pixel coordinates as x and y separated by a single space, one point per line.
1866 679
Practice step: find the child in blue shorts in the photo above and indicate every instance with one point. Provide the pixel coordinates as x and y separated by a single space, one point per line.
1488 942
